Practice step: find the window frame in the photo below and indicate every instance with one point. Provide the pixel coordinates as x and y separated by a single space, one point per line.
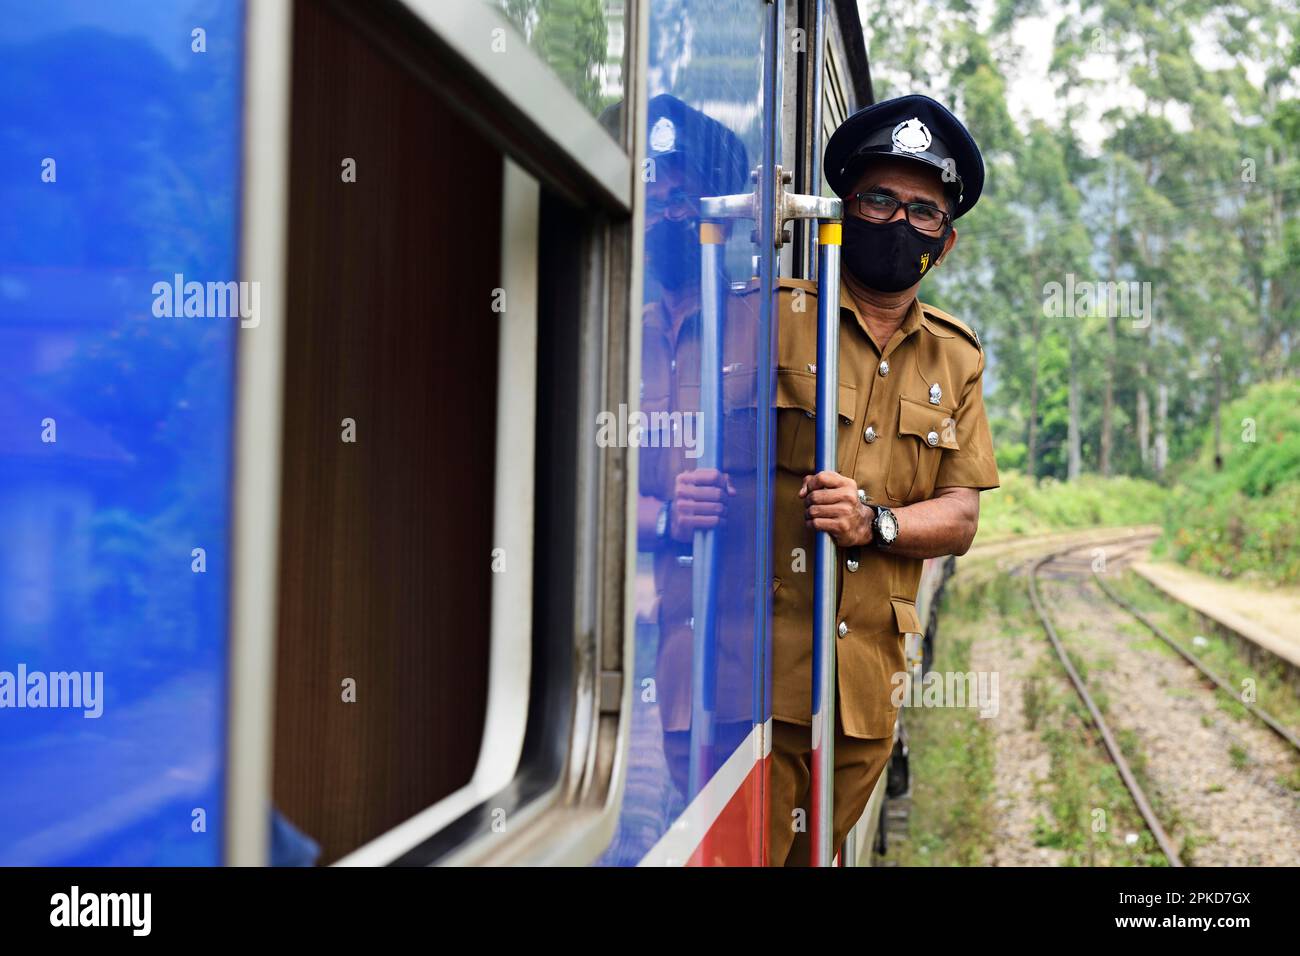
561 767
545 109
255 506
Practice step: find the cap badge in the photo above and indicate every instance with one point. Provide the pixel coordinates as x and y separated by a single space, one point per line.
911 136
663 136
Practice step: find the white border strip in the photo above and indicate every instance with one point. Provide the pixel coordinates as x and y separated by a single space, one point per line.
516 432
259 395
684 835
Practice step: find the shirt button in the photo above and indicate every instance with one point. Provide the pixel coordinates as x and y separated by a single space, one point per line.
843 628
932 439
851 564
884 367
870 434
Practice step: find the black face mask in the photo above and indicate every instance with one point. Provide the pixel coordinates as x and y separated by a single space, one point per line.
889 256
673 246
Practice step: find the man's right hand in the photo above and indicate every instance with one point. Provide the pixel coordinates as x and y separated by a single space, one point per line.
699 502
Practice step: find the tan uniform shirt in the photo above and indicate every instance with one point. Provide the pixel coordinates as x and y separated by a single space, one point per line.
671 382
898 466
912 420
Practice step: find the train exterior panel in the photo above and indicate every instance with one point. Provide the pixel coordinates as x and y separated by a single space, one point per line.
121 195
508 282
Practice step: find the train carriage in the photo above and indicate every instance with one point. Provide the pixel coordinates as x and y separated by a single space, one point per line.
337 439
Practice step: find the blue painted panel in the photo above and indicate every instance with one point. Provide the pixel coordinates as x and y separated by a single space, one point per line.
115 425
710 121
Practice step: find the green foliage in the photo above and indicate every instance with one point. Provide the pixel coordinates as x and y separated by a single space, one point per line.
952 761
1260 444
1243 519
1189 183
1021 506
571 36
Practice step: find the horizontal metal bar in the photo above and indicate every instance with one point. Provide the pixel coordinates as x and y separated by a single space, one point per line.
798 206
739 206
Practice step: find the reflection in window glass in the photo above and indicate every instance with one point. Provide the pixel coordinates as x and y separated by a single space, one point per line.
581 40
703 529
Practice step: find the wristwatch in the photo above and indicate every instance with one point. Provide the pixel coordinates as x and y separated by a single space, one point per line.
661 522
884 527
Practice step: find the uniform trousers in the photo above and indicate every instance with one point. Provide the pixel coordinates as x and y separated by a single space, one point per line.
858 765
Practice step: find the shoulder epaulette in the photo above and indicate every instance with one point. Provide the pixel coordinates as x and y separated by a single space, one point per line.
956 323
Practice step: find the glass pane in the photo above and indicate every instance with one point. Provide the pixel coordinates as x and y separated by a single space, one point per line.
119 313
343 776
699 673
583 41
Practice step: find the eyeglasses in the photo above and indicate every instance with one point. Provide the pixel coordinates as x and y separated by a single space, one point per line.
878 207
677 200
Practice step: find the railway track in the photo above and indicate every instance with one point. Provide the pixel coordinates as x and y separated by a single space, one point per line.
1128 543
1264 718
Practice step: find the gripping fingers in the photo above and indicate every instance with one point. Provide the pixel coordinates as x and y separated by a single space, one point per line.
837 510
702 509
702 493
827 496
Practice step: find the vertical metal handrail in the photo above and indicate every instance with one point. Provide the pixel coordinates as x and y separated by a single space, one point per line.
822 811
704 547
848 855
828 211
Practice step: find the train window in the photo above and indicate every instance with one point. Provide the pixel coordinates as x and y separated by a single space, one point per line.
390 377
448 615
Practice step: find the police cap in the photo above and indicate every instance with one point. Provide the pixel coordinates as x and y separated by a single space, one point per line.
914 128
677 132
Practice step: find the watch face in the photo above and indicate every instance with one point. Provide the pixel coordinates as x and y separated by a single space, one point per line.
888 526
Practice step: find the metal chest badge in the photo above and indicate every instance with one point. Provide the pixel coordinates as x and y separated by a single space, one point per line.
936 393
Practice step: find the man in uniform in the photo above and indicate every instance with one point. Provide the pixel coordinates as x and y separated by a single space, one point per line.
693 156
914 448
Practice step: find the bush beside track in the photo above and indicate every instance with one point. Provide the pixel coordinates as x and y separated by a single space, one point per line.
1243 520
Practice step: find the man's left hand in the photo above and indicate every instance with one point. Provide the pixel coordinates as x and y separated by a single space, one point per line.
831 504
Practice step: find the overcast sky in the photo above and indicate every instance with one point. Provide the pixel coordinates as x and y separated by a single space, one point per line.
1031 93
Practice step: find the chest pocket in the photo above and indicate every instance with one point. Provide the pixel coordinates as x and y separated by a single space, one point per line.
740 408
796 423
925 432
